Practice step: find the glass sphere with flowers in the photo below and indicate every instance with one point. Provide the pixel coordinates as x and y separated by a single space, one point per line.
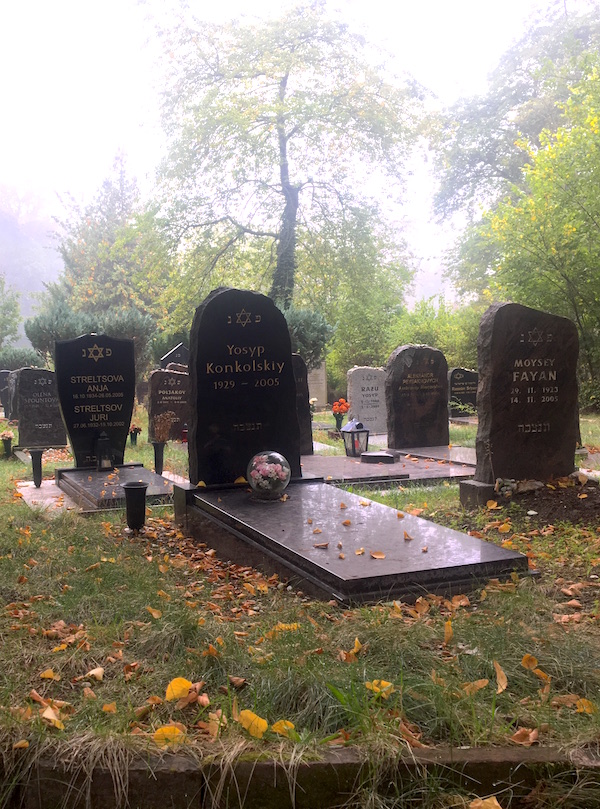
268 474
339 410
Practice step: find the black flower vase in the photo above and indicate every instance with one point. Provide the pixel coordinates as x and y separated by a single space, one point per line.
133 439
159 454
135 504
7 447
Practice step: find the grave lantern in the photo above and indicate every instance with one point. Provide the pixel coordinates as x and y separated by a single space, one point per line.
103 453
356 438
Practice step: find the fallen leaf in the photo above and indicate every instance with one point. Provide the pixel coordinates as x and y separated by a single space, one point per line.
321 545
485 803
52 717
586 706
501 677
359 552
49 674
381 688
448 632
492 505
254 724
343 505
399 515
178 688
282 727
110 707
346 522
154 613
474 687
407 536
22 744
173 733
377 555
525 736
96 674
529 661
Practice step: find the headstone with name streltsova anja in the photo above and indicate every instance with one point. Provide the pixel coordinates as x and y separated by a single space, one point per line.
243 392
95 377
527 397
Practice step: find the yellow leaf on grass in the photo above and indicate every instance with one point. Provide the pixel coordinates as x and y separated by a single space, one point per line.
525 736
22 744
178 688
52 717
586 706
169 734
254 724
357 646
49 674
474 687
501 677
377 555
109 707
381 688
492 504
529 661
485 803
448 632
97 674
542 675
504 528
154 613
282 727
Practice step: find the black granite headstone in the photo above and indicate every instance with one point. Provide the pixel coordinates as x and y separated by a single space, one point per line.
4 392
527 398
243 393
169 391
35 406
96 386
303 405
416 395
180 354
462 390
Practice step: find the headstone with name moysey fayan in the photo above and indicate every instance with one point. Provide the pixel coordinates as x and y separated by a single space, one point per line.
243 393
180 354
416 394
303 405
462 390
169 391
366 394
96 387
35 406
527 398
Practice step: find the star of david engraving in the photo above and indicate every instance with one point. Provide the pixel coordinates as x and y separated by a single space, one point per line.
536 336
95 353
243 317
171 382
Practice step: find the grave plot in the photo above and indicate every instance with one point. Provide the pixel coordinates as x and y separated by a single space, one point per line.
335 544
94 490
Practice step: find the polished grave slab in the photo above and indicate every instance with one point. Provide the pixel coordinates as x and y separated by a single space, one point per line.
95 489
338 545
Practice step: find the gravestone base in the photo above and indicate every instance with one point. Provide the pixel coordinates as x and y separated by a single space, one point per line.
474 493
374 556
95 490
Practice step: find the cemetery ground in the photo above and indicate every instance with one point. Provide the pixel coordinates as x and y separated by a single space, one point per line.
119 648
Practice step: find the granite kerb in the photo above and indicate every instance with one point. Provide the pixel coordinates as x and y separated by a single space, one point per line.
254 781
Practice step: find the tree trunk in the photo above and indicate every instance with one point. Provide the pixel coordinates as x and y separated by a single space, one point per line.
282 288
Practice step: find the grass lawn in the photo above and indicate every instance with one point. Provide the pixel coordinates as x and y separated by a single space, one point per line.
120 642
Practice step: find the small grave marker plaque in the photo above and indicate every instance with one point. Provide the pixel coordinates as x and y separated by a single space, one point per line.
416 392
243 392
35 406
366 394
527 402
462 390
169 391
96 387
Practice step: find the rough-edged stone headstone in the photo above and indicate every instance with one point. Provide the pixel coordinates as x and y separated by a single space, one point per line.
243 393
180 354
35 406
416 396
303 405
527 398
95 376
169 391
462 391
4 391
366 394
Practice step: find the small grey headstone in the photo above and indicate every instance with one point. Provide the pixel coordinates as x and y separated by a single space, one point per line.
366 394
527 397
416 393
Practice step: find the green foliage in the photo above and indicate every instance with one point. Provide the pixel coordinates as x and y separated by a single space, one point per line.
164 341
451 329
275 129
10 314
13 357
310 334
480 140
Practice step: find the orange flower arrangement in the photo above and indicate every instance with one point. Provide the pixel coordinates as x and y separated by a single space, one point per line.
339 410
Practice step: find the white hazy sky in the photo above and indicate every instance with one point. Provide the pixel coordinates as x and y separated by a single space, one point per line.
77 78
